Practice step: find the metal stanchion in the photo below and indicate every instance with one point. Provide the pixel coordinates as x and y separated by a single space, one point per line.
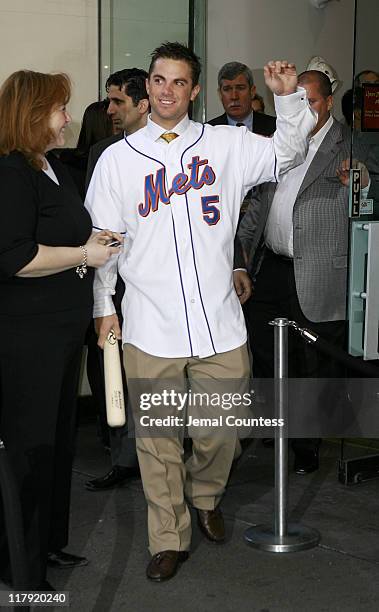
283 536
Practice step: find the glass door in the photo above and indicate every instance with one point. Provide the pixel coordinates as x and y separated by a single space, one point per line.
129 30
361 105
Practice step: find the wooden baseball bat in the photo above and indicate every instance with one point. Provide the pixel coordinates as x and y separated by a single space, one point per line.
114 391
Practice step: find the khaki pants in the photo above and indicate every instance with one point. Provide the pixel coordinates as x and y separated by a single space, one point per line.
167 480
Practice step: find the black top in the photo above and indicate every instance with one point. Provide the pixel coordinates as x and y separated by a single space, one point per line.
35 210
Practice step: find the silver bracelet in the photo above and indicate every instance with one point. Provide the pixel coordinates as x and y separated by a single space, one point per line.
81 270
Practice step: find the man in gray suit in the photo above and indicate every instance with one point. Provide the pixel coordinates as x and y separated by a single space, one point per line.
295 238
128 109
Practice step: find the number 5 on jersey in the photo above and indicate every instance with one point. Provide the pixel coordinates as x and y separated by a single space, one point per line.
211 213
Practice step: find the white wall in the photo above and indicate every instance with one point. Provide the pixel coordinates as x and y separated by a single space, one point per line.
53 36
255 31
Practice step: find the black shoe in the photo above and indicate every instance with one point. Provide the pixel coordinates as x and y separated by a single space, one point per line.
116 477
306 462
63 560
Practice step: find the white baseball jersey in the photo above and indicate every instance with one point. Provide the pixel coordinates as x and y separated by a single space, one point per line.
179 205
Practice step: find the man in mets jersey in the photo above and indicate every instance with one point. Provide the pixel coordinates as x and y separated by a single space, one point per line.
175 187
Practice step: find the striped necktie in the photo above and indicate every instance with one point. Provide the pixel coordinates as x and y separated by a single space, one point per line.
169 136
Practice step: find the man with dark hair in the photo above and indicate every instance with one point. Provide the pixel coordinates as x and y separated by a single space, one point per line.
180 210
295 236
128 108
177 51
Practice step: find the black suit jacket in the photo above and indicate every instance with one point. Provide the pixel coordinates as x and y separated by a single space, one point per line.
96 150
262 124
266 126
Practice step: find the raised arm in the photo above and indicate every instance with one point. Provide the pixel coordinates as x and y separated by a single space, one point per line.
295 118
265 159
281 77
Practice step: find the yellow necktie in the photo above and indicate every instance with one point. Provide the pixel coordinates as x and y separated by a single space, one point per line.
169 136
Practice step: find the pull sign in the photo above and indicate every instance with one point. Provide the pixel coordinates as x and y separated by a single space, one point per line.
355 193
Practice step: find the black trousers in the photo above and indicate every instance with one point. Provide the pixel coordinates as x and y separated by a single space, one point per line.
40 357
274 295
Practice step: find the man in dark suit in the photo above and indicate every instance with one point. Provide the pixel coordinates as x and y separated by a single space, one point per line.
295 237
237 90
128 109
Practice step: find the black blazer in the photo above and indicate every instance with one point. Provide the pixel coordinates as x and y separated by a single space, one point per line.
266 126
262 124
96 150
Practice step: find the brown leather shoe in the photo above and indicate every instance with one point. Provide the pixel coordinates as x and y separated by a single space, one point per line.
211 523
165 564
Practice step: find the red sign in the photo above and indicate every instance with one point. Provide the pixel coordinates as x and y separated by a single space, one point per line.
370 107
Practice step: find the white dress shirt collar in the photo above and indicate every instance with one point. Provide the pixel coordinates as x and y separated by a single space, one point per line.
317 139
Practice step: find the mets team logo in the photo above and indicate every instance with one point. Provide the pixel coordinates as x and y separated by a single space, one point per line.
201 174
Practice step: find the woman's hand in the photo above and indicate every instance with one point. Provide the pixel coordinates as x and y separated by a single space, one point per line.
98 251
51 260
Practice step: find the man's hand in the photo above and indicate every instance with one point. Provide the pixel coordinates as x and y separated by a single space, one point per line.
103 326
280 77
242 285
343 172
